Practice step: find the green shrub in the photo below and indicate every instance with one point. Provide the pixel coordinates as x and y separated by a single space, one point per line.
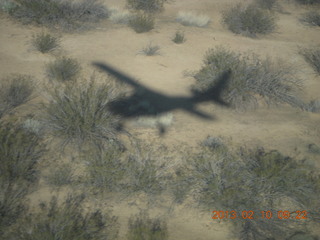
15 90
142 22
63 69
149 6
63 14
61 175
249 78
67 221
45 42
179 37
248 20
311 18
79 113
20 152
255 180
312 56
141 227
8 6
150 50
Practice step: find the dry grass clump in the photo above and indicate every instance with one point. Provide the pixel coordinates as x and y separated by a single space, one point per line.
312 56
120 16
68 220
142 22
7 6
192 19
150 50
60 175
79 113
248 20
148 6
311 18
63 69
308 2
250 78
142 227
267 4
313 106
15 90
45 42
66 15
254 180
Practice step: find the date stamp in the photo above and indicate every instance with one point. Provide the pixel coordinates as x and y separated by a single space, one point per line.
262 214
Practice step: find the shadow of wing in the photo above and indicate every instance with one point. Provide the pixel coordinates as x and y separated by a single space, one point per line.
117 74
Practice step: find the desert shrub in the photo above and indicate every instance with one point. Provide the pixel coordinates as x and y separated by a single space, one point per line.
63 69
34 126
149 6
120 16
8 6
307 2
66 15
313 148
105 168
142 22
313 106
20 151
311 18
312 56
150 50
266 4
12 204
61 175
67 221
179 37
249 78
79 114
15 90
254 180
142 227
192 19
248 20
45 42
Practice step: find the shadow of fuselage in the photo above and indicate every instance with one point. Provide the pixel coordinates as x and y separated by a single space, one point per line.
147 102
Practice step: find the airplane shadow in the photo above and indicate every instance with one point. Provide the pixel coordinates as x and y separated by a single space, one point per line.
147 102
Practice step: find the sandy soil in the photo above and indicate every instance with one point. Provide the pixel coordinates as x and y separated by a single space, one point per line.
284 128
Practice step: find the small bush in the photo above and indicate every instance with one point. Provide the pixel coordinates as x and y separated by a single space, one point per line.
192 19
254 180
120 16
20 152
67 221
312 56
266 4
45 42
66 15
60 176
15 91
142 22
105 168
249 78
311 18
313 148
150 50
8 6
307 2
141 227
34 126
79 114
12 204
179 37
63 69
248 20
313 106
149 6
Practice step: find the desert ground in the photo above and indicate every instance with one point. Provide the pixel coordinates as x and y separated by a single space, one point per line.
284 128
